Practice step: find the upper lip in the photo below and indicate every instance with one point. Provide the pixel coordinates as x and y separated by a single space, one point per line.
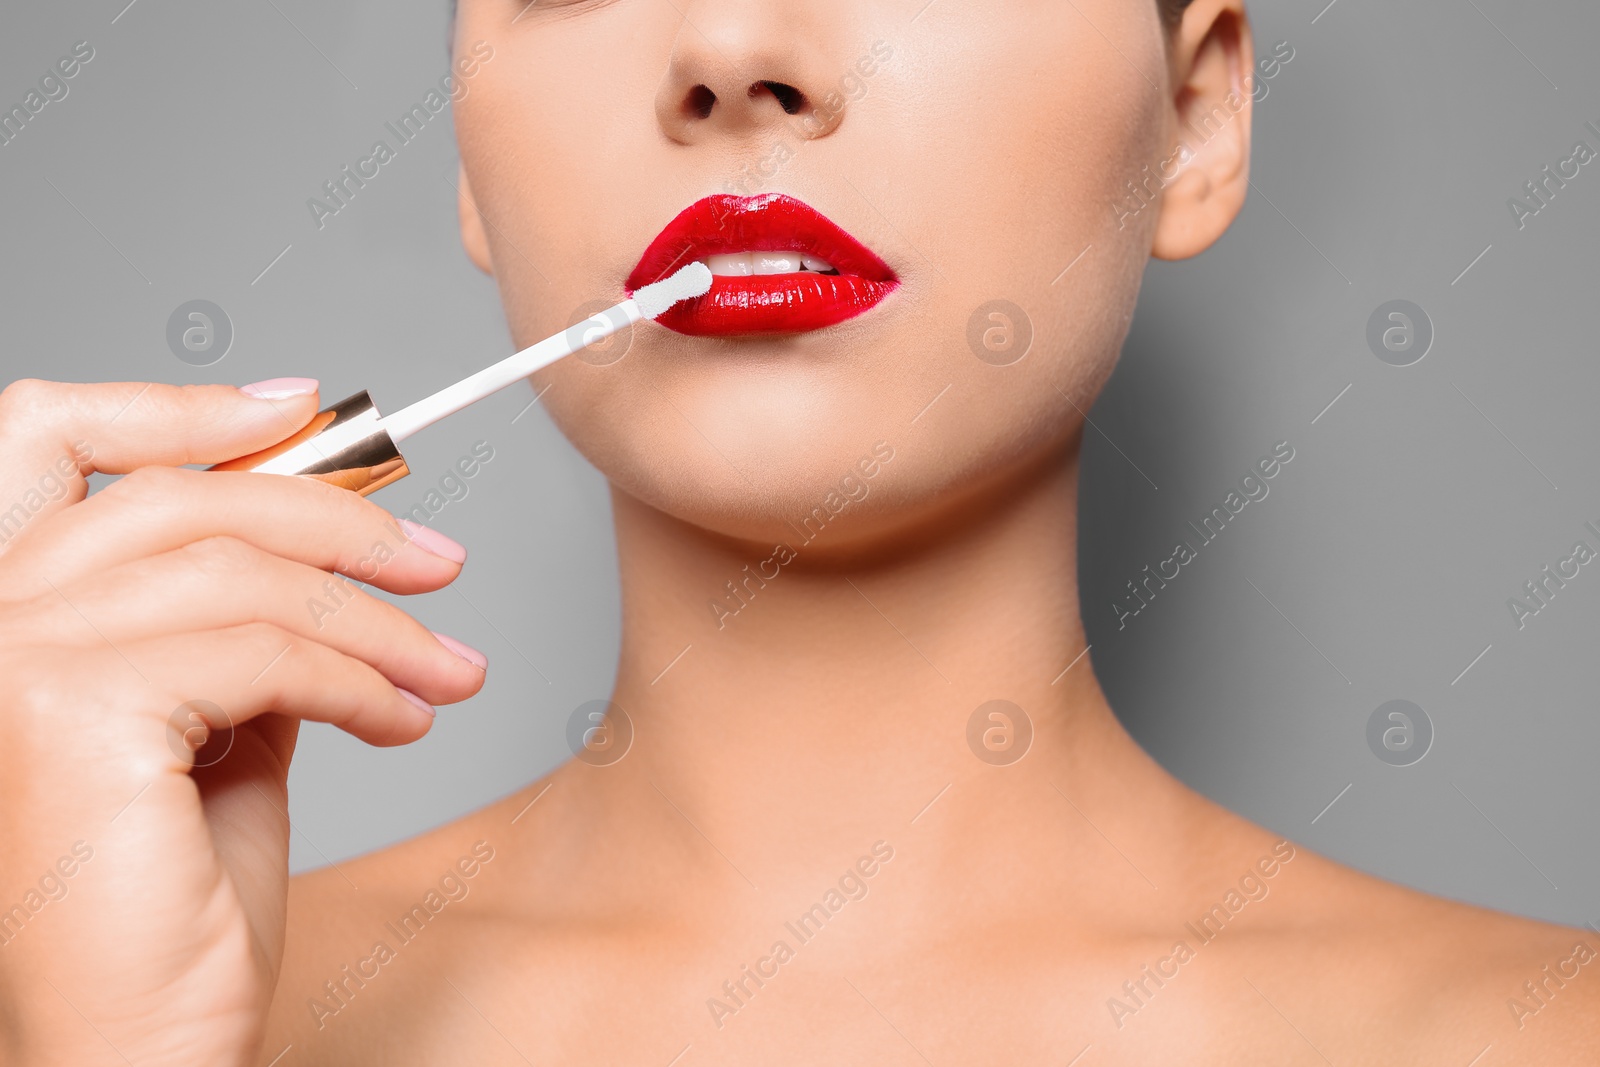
770 222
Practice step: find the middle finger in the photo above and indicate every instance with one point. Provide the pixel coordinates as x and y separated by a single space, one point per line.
158 509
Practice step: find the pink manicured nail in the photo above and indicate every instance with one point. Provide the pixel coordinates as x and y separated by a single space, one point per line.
279 388
466 652
418 701
433 541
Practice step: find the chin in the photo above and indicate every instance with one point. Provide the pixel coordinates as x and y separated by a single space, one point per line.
800 442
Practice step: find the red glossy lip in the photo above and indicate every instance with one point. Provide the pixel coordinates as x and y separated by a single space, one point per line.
773 303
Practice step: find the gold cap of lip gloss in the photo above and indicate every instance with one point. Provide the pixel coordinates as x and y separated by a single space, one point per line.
334 448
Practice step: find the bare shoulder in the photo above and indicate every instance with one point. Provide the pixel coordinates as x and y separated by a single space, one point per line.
1377 968
364 937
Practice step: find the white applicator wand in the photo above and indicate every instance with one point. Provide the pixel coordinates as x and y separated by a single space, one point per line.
349 445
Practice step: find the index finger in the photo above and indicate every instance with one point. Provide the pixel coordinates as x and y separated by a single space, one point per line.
53 435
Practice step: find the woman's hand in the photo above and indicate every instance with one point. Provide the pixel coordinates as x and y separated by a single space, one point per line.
143 883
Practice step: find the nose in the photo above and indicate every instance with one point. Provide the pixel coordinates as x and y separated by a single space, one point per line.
746 69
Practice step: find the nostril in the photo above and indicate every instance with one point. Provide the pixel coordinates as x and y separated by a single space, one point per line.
792 100
700 101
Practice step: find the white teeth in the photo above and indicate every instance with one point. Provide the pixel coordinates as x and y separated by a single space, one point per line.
745 264
736 265
776 262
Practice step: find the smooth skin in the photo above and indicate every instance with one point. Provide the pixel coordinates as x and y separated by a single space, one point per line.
595 916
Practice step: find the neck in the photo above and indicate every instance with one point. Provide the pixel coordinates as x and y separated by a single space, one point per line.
821 701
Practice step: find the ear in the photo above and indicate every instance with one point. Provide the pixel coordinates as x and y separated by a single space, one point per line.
1211 65
473 239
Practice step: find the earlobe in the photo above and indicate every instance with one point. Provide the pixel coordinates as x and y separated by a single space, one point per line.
473 238
1211 108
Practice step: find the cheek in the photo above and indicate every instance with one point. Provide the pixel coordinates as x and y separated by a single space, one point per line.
560 181
1036 125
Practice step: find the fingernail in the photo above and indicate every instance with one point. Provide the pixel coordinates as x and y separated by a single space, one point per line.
466 652
279 388
418 701
433 541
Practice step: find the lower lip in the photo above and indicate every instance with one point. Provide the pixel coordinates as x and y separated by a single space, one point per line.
775 303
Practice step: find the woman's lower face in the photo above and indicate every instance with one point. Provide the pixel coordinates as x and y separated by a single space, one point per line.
917 214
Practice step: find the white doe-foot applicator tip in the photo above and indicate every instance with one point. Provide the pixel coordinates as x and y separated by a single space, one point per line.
690 281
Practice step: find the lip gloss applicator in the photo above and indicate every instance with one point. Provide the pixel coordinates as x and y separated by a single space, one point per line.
351 446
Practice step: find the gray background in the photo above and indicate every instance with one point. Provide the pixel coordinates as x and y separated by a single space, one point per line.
1378 567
